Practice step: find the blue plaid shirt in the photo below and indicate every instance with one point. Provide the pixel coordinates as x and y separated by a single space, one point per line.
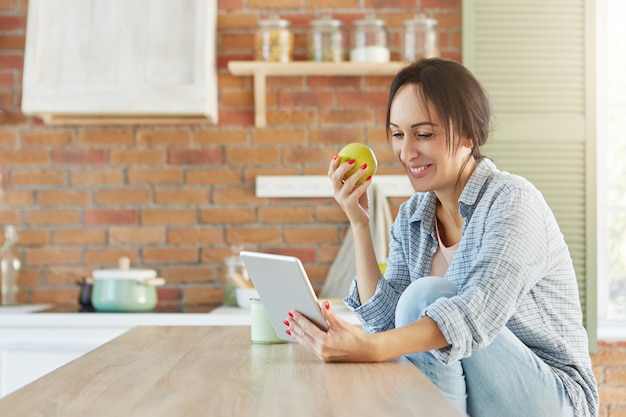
512 268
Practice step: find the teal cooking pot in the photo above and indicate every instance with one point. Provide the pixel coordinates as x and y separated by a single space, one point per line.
125 290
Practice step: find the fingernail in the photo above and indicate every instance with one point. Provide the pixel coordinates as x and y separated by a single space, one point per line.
369 178
335 157
286 322
288 332
327 305
290 314
364 166
351 162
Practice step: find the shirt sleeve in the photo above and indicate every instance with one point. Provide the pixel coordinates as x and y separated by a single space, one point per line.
503 254
377 314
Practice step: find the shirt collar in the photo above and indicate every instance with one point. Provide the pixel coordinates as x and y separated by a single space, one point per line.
425 210
476 185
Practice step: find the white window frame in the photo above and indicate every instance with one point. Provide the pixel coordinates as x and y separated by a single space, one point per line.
607 329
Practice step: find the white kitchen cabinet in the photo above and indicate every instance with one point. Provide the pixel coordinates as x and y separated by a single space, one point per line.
27 354
31 345
118 61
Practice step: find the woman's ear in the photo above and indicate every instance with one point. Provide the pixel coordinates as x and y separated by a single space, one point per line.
468 142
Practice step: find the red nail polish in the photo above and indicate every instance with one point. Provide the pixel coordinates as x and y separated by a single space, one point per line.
364 166
290 314
351 162
327 305
288 332
286 322
335 157
369 178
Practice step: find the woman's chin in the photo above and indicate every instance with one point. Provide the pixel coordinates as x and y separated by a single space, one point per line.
419 186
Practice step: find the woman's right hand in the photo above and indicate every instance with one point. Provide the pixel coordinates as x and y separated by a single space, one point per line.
351 197
354 201
342 342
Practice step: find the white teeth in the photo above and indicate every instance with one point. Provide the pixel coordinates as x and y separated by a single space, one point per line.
418 169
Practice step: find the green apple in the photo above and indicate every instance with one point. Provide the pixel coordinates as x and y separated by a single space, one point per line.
362 154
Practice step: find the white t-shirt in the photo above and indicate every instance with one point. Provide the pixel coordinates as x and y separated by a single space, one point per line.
442 257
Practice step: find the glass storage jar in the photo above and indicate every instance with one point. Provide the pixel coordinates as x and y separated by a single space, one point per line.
10 267
420 38
274 40
325 40
369 41
236 276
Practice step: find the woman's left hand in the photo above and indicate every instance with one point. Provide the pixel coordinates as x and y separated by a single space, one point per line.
343 342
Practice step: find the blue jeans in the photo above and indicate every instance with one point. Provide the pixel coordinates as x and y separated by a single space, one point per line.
503 379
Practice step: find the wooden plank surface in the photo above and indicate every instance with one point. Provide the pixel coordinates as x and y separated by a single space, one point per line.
300 68
216 371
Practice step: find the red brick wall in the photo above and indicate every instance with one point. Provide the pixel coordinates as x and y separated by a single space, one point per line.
610 370
175 198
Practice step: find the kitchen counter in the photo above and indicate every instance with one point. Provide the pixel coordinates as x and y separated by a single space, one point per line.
220 316
117 320
216 371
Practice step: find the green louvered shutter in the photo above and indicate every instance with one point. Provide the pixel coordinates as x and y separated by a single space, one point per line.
536 59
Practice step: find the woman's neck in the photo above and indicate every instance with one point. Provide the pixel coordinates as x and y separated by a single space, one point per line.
450 225
449 218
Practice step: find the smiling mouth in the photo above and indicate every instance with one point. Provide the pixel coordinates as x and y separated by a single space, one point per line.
417 170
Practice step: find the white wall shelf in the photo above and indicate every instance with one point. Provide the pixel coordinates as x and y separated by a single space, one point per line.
310 186
260 70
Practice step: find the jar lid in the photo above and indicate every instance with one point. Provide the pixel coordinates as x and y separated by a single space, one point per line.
370 20
420 19
234 260
10 234
326 21
275 21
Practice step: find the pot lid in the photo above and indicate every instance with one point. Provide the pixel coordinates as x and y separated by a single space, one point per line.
124 272
137 274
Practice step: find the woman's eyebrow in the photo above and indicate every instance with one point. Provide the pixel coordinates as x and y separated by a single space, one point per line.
414 125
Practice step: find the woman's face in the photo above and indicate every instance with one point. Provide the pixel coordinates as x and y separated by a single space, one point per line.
419 142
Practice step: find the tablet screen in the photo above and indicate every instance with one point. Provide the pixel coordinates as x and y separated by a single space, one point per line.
283 285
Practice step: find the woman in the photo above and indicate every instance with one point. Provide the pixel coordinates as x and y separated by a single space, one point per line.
479 292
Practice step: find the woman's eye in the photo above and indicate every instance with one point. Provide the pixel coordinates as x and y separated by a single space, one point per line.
424 135
396 134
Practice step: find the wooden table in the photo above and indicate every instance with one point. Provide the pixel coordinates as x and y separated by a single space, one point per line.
216 371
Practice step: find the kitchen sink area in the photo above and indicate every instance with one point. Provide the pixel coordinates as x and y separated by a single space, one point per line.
24 308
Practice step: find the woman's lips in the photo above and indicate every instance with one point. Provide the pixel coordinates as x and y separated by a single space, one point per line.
419 171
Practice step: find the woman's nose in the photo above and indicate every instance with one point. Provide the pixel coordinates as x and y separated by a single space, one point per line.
408 150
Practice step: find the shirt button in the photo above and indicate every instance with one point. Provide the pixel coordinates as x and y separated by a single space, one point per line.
433 249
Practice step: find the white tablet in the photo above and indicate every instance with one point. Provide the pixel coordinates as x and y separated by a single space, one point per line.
283 285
